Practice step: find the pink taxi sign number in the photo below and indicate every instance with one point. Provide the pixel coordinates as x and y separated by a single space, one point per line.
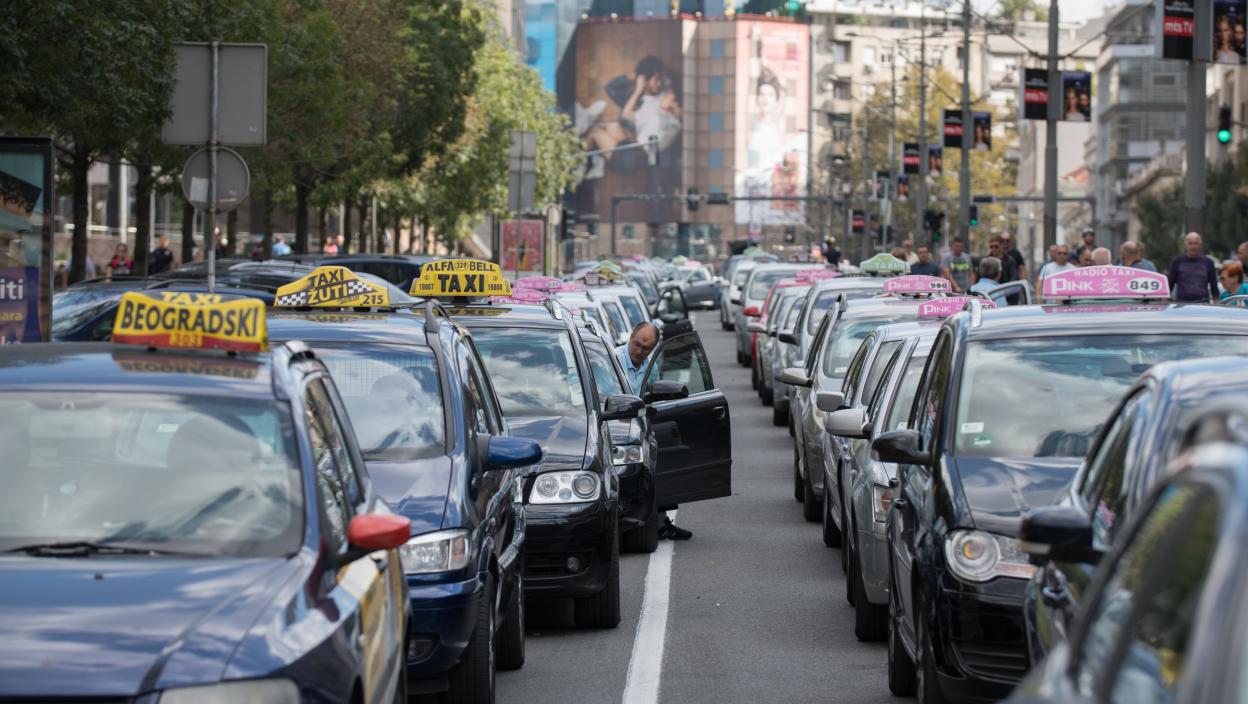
1106 282
520 295
916 283
949 305
538 283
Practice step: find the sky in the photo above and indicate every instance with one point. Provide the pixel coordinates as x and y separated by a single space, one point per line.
1069 10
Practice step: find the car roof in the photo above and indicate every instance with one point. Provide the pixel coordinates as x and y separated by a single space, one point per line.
511 315
1107 319
1197 378
849 282
401 326
916 328
866 307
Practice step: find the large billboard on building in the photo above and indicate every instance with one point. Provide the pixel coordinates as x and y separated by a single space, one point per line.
773 117
540 40
26 201
628 113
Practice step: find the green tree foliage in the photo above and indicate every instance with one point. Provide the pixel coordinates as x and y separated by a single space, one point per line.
1015 9
1161 215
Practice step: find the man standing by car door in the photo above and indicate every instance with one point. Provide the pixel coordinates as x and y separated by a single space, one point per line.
634 357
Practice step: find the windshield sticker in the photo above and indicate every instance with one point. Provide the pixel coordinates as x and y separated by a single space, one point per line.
972 428
981 441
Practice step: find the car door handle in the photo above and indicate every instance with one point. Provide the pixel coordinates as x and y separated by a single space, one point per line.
719 413
1057 598
900 504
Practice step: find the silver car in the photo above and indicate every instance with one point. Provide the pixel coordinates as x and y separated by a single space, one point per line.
731 304
751 298
769 344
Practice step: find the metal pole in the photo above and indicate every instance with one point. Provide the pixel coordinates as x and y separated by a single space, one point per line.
1194 180
868 182
615 201
892 143
968 137
920 206
210 216
1050 135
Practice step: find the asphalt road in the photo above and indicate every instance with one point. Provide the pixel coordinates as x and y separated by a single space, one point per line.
755 608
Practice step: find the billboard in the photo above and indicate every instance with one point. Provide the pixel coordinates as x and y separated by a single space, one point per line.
540 40
773 116
1178 27
910 158
1229 32
1077 96
1035 94
628 95
935 160
522 245
26 200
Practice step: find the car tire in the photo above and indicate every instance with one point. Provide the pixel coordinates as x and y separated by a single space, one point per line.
792 425
602 610
509 643
769 394
812 506
644 538
780 415
799 485
472 680
831 535
927 684
901 673
870 620
753 376
845 539
847 558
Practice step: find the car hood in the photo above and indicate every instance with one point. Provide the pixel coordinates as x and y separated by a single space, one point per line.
998 490
118 627
563 438
415 489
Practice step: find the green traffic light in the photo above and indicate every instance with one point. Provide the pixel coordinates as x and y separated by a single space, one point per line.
1224 136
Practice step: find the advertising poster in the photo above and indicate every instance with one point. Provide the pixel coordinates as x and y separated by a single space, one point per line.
522 245
983 130
1076 96
903 188
628 90
1229 31
540 46
25 239
1035 94
773 88
882 179
857 221
910 158
935 160
951 126
1178 26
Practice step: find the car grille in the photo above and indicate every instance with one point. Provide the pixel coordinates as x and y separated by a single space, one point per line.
996 661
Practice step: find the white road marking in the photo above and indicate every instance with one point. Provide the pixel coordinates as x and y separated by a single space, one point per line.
645 668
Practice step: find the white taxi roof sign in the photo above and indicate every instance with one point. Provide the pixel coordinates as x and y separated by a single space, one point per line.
1102 282
190 321
460 278
884 263
331 287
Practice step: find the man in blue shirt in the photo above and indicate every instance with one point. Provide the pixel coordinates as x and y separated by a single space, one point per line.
634 356
989 271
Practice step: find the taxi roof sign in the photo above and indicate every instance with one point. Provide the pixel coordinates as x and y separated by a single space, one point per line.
190 321
949 305
916 283
1101 282
538 283
522 295
459 278
331 287
884 263
815 274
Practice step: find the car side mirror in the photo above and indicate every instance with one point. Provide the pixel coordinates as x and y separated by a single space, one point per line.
622 407
735 300
901 447
669 318
849 423
371 532
787 338
830 401
666 390
756 327
1058 533
795 376
506 452
752 312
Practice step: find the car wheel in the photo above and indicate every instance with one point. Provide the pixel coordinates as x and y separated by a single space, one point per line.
753 376
602 610
831 536
812 506
780 415
844 556
472 680
900 667
644 538
769 395
847 561
510 639
792 425
870 620
926 684
799 485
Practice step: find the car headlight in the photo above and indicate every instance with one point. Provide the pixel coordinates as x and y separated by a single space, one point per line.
628 454
442 551
881 501
260 691
565 488
977 556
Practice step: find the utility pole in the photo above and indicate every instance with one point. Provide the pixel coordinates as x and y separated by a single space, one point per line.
868 182
892 145
921 203
1050 135
1194 179
968 129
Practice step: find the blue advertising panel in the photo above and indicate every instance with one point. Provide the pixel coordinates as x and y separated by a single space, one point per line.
26 200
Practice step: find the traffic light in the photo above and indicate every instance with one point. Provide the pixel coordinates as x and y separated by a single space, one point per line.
1224 124
974 216
790 235
934 223
691 198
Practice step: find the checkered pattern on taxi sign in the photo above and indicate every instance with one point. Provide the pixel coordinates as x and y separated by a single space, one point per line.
354 288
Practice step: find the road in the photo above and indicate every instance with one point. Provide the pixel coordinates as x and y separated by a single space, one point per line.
756 608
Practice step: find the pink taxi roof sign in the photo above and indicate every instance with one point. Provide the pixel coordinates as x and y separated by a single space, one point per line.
1099 282
815 274
521 295
570 287
916 283
538 283
949 305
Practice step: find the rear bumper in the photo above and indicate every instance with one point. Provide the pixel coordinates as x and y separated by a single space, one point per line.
557 534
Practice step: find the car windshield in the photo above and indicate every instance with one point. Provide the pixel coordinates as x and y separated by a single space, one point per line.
177 473
761 283
67 319
618 322
846 336
903 398
604 372
1048 397
738 279
824 301
534 370
393 394
646 285
635 312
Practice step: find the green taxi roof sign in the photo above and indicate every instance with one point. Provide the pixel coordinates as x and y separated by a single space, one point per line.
884 264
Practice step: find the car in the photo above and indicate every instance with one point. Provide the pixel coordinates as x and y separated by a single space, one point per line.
416 389
93 322
750 300
700 287
1009 402
187 517
646 284
629 298
398 269
1163 617
736 275
1147 430
760 325
771 351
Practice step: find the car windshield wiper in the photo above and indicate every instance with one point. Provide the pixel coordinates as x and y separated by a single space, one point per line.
83 548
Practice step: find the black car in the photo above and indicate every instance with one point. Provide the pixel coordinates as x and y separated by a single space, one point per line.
399 269
1147 430
1164 616
1009 402
93 321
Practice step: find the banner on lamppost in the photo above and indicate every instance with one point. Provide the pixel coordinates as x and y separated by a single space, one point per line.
1230 36
1178 28
903 188
983 131
935 160
1035 94
522 245
910 158
951 127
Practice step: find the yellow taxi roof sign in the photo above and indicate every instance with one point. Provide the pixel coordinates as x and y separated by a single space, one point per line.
190 321
460 278
331 287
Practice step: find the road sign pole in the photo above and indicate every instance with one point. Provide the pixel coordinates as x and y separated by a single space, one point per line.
1050 135
1194 179
968 136
210 215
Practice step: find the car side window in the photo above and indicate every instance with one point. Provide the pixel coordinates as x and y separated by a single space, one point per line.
332 489
881 390
1104 488
931 396
337 440
682 359
816 347
855 371
477 403
875 373
1134 645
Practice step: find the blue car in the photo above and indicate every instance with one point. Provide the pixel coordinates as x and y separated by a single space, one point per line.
192 524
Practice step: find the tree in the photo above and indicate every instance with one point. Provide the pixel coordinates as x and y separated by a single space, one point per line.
1014 10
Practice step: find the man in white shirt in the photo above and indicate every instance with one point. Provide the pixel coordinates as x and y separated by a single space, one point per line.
1060 263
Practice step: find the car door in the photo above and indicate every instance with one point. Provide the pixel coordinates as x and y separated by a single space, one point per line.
1020 291
493 489
700 292
674 314
693 433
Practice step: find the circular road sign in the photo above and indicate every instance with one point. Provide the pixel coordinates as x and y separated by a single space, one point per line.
233 179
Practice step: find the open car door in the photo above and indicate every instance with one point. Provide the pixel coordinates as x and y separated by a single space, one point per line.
1017 293
691 423
674 313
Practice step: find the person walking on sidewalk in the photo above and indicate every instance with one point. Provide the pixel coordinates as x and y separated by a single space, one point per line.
1193 278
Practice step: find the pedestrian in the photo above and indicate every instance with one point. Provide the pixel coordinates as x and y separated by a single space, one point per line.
1089 244
331 247
222 248
280 248
1085 257
160 259
1053 254
1101 257
257 252
899 252
989 270
1192 276
1242 255
923 263
1061 263
1232 278
831 254
911 257
121 264
1131 254
956 266
1009 267
1011 250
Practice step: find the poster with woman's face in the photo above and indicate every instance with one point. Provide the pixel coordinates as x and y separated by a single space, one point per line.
983 130
1229 31
1076 96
